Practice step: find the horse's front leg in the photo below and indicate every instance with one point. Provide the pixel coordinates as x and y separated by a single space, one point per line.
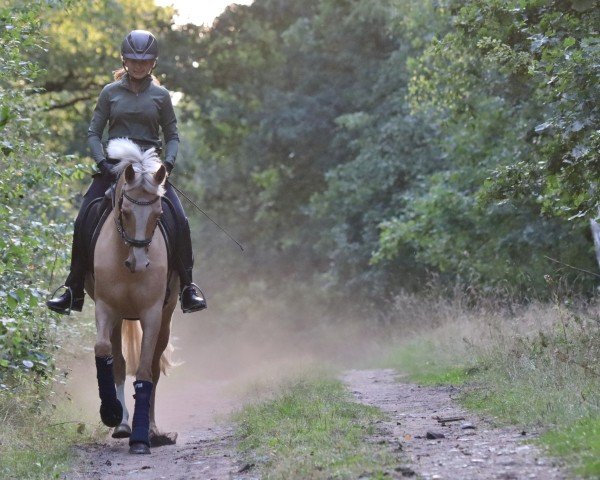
139 441
111 409
123 430
157 437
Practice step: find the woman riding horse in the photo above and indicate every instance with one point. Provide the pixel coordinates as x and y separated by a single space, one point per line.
132 280
135 106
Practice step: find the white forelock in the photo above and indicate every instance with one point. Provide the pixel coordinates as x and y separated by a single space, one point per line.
145 164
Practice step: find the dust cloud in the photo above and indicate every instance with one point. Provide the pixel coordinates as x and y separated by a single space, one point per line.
229 356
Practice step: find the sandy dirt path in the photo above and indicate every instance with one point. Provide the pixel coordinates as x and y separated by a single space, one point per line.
192 401
222 366
205 449
470 449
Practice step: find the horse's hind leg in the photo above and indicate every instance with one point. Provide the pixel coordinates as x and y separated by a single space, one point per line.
111 410
123 430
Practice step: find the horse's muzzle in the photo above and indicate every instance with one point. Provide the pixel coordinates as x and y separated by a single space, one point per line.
137 260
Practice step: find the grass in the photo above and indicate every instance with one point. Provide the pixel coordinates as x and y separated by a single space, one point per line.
417 361
311 429
579 444
37 430
536 367
35 439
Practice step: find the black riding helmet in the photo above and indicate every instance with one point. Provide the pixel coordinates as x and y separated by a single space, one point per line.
139 45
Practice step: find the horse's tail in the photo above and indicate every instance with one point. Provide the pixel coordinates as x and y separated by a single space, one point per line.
131 333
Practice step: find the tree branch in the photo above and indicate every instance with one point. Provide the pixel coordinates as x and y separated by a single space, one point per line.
71 102
571 266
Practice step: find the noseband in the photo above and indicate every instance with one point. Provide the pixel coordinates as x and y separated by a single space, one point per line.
133 242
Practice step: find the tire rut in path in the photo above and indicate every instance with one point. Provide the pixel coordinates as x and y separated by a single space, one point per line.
480 453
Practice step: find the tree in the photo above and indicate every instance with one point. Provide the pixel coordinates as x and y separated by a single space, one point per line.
487 84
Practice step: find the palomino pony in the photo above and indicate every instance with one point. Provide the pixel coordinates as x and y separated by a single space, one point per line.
131 281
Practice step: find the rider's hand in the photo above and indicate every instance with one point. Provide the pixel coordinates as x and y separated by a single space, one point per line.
169 166
106 170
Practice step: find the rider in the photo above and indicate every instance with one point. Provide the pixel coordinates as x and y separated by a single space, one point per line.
134 106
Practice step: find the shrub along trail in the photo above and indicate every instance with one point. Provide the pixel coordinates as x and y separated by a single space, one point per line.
471 447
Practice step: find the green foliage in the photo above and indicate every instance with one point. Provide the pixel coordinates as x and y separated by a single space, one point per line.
507 132
375 143
288 134
361 145
311 429
34 239
31 212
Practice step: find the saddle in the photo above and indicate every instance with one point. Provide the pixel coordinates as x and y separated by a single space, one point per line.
98 211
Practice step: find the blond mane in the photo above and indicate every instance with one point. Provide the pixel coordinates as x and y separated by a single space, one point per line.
145 164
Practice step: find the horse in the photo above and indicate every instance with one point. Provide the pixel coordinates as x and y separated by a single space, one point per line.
134 295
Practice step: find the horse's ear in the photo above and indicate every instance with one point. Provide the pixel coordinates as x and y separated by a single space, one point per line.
129 173
160 175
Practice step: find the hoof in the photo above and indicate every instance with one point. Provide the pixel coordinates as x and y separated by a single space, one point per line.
161 439
122 431
112 414
139 448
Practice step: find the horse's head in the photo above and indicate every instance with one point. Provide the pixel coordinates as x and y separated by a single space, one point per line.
138 206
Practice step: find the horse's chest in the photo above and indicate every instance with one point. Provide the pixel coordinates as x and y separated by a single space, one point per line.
131 292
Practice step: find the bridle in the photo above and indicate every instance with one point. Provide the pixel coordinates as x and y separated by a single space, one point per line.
133 242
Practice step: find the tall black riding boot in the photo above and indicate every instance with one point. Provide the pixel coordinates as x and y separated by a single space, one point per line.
190 296
72 298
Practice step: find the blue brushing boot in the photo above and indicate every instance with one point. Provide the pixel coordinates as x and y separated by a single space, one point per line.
139 442
111 410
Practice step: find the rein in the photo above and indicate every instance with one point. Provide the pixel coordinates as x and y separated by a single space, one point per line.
133 242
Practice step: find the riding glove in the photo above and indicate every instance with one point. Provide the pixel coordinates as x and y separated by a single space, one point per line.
106 170
169 166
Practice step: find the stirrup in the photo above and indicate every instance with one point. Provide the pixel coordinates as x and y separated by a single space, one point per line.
201 295
187 287
191 285
70 290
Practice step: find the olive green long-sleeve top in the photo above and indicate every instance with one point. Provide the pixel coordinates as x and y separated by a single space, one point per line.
137 116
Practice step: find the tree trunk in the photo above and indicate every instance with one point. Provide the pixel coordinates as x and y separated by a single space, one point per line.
596 235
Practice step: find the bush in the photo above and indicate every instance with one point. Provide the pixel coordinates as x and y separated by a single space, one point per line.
32 212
